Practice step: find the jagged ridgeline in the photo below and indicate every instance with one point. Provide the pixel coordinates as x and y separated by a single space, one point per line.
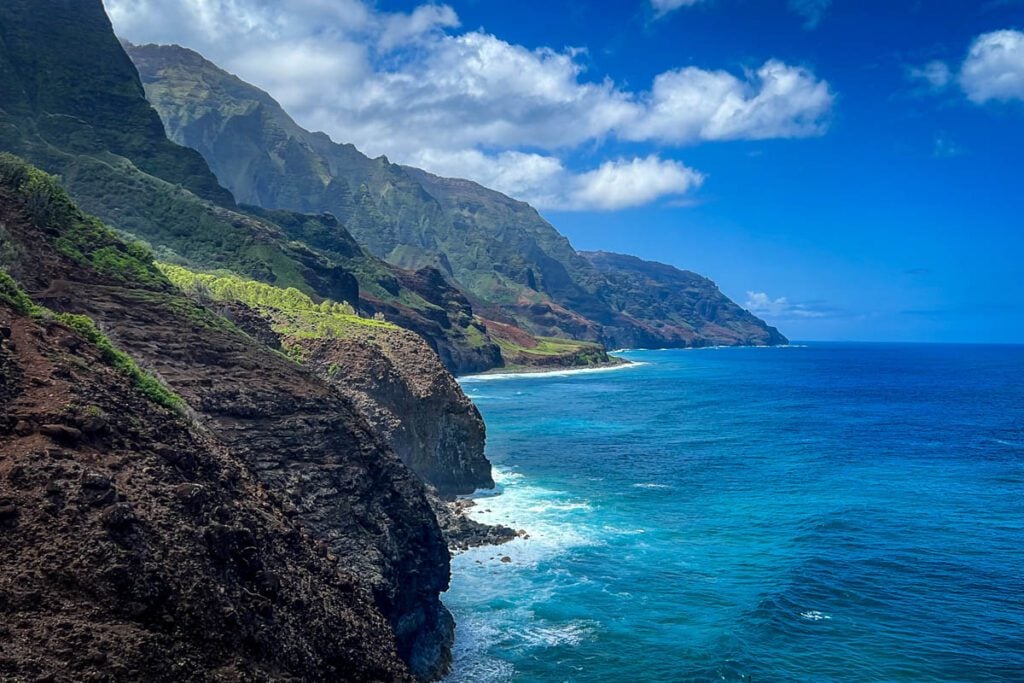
283 538
71 103
516 268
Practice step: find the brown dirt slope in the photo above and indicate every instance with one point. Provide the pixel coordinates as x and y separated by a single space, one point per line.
301 439
134 547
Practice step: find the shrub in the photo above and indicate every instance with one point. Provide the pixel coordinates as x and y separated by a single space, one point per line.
11 294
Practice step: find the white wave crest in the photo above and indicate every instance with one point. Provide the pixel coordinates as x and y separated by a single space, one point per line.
491 377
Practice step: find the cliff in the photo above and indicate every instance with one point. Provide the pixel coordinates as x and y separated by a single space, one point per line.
391 375
303 442
71 102
133 546
689 309
402 389
513 265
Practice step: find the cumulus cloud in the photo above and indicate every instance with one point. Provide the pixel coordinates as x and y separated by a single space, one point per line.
470 104
994 67
546 183
401 28
621 184
776 101
759 303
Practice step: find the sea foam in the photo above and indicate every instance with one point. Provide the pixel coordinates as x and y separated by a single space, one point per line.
491 377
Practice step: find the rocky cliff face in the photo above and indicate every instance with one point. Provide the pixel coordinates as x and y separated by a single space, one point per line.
403 391
396 382
400 386
513 264
302 441
133 546
688 309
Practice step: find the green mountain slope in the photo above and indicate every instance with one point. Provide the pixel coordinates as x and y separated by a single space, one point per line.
71 102
690 309
514 266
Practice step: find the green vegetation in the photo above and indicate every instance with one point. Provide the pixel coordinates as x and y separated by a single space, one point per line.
11 294
553 346
229 287
569 352
293 313
150 386
63 70
82 238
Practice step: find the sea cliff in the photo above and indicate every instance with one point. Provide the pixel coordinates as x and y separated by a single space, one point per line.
303 443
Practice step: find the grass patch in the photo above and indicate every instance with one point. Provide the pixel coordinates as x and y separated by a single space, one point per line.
11 294
80 237
294 313
573 353
550 346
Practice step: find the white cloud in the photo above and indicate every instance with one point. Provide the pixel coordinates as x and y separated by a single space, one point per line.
994 67
759 303
621 184
663 7
546 183
935 74
472 105
401 28
776 101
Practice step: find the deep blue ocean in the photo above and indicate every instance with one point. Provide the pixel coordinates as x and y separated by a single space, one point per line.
828 512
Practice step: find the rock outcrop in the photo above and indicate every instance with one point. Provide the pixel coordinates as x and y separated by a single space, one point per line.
401 388
134 546
302 440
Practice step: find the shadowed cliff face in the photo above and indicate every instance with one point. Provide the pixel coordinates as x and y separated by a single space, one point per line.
393 378
56 89
514 265
302 440
134 546
399 385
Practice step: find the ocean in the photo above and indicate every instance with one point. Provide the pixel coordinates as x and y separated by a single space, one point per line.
821 512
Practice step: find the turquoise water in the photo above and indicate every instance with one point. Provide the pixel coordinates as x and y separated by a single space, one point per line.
821 513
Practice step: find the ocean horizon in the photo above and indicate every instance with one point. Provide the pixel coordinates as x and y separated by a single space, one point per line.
824 511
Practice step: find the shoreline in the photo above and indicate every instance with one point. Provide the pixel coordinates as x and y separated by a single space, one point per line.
515 372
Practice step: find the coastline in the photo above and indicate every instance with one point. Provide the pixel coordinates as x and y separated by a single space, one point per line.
533 371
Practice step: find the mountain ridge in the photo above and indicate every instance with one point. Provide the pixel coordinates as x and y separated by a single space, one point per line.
109 147
512 264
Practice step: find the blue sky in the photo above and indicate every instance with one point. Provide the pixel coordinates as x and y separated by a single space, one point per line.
847 169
